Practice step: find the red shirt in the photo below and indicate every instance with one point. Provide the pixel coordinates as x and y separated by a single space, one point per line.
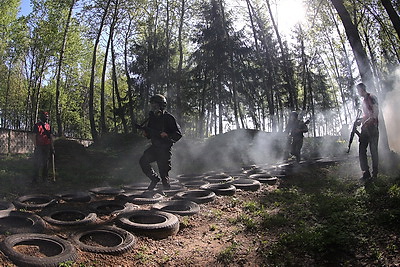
370 110
43 132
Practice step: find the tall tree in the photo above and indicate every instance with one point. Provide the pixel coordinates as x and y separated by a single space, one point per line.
394 17
353 36
60 63
93 129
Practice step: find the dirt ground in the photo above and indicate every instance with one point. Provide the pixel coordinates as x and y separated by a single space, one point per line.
213 237
204 239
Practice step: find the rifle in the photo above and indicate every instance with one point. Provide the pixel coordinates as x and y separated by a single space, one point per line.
354 130
154 132
53 163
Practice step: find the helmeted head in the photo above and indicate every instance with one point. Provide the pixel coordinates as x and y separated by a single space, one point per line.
362 89
160 100
44 116
294 115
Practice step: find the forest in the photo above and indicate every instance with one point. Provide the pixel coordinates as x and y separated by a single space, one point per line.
222 65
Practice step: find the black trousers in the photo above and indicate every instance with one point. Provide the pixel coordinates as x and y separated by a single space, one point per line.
41 157
297 144
161 155
369 137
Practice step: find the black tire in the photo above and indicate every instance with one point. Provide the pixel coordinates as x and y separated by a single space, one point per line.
195 184
247 184
175 188
237 175
264 178
199 196
220 189
194 176
111 207
151 223
34 202
140 186
69 216
212 173
76 197
180 207
105 239
248 167
147 197
190 178
55 249
270 181
124 197
6 205
106 191
219 178
16 222
255 171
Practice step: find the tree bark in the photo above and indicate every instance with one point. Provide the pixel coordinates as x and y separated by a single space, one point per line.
58 79
180 64
355 42
93 129
394 17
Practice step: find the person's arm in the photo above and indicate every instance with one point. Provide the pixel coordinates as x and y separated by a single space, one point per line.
172 131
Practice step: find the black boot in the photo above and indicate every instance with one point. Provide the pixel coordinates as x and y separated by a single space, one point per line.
165 182
152 185
154 179
366 176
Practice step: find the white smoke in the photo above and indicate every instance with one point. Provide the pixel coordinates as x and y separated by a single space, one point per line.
389 109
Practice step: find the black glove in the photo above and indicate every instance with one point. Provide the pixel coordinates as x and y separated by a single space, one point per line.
138 126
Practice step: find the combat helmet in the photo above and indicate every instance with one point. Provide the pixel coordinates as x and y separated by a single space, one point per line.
159 99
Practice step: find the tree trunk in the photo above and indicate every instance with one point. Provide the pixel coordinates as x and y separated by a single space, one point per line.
355 43
232 66
180 64
92 76
286 70
58 79
394 17
128 78
121 110
267 72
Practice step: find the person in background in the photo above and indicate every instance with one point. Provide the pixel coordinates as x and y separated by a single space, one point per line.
163 131
44 147
369 135
295 130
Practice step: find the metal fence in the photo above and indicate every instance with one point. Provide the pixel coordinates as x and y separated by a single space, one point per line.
19 142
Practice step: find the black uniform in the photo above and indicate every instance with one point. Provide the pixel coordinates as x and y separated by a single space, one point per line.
296 130
160 149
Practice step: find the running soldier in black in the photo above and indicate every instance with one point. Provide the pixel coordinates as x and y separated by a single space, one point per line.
164 131
296 129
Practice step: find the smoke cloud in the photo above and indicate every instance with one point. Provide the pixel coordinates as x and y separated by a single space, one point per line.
390 108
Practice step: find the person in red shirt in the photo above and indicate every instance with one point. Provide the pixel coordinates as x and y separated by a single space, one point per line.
43 147
369 135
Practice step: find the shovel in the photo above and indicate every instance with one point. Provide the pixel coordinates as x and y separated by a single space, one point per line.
54 167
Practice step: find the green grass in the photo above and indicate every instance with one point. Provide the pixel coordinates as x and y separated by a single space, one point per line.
329 220
227 255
